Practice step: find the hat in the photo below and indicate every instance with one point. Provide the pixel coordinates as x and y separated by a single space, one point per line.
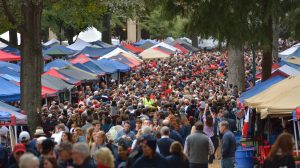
40 140
150 141
24 136
19 148
39 132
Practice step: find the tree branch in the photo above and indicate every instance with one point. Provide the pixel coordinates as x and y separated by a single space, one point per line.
8 14
10 44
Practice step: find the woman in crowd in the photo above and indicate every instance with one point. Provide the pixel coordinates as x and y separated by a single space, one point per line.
281 154
177 157
99 143
78 135
123 153
66 137
49 162
105 159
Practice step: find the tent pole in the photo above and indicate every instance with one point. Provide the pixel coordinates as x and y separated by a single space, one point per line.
16 136
46 100
70 96
119 77
295 132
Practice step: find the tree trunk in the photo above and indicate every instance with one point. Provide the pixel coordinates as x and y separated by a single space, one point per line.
236 67
276 30
267 50
32 62
13 37
194 39
106 33
69 33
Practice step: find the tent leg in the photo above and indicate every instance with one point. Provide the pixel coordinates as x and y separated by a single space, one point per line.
16 136
46 101
21 128
70 96
295 134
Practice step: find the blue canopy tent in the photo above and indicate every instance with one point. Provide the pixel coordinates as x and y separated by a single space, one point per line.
101 44
8 71
109 69
4 116
15 67
11 110
141 42
58 63
9 91
90 67
260 87
12 50
114 64
94 52
10 78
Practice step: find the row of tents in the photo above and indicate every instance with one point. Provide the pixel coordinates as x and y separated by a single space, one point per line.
81 62
280 94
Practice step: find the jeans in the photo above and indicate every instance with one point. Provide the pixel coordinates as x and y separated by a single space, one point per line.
228 162
198 165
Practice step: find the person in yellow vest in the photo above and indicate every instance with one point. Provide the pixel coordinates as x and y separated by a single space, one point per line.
147 101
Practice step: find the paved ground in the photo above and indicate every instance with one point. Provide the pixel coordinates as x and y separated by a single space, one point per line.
216 164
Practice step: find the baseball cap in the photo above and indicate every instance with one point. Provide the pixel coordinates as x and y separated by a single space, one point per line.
19 148
24 136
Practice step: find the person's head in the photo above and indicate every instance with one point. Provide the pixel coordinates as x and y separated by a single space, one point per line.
96 125
127 126
18 151
177 149
48 147
28 160
199 126
148 145
138 124
123 150
60 127
64 151
80 152
166 122
39 142
100 137
209 121
223 126
66 137
284 143
24 137
105 158
49 162
39 132
165 131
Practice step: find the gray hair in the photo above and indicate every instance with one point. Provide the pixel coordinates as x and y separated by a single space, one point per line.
224 124
28 160
165 130
82 148
146 130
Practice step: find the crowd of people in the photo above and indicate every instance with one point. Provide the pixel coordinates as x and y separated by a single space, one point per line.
176 112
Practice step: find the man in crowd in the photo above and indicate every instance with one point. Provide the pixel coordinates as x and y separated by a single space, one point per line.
64 150
18 151
81 156
165 141
198 147
126 134
228 145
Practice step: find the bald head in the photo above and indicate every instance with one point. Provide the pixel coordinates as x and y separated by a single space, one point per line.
165 131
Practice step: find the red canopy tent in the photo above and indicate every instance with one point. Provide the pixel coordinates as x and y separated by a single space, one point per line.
133 49
158 49
274 67
5 56
180 47
55 73
80 59
48 92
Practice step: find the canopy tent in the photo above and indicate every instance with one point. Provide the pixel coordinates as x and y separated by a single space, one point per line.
79 45
165 50
59 51
133 49
274 68
117 51
21 119
185 44
153 53
55 83
91 68
89 35
180 47
51 43
165 45
9 71
12 66
5 36
11 50
3 45
290 52
208 43
101 44
260 87
123 59
147 45
114 64
11 78
77 73
109 69
81 59
9 91
48 92
293 60
58 63
5 56
141 42
55 73
290 71
169 40
279 100
94 52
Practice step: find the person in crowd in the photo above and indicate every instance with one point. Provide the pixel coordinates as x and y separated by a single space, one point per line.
47 148
24 138
88 124
106 124
39 132
173 133
228 145
81 156
105 159
64 150
281 154
78 135
89 136
150 157
138 125
18 151
99 143
49 162
96 125
3 156
123 152
59 129
126 134
177 157
66 137
196 142
38 144
165 142
28 160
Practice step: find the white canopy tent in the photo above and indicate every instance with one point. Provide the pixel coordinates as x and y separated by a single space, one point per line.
91 34
50 42
165 45
79 45
5 36
118 51
289 52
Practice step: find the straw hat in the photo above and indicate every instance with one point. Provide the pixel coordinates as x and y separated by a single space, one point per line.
39 131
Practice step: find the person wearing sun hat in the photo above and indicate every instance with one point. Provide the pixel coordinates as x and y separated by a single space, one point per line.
39 132
150 157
